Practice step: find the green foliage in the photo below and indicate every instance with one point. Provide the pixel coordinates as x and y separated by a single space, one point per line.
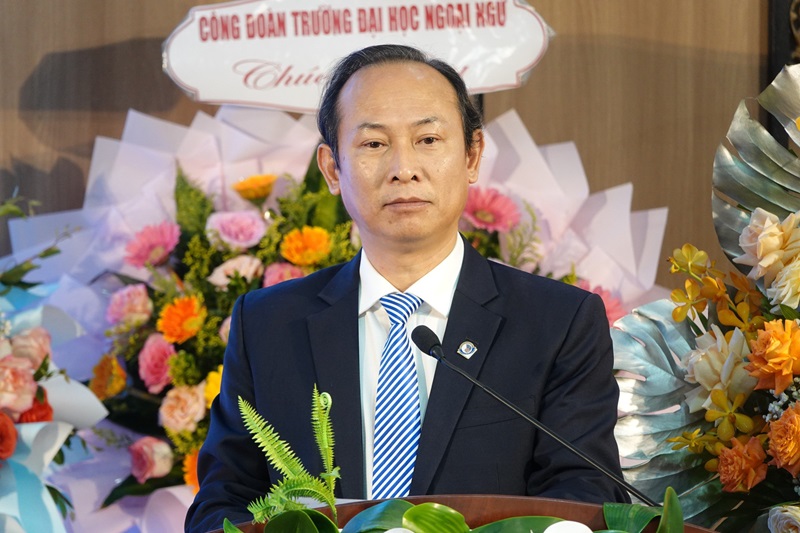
192 206
429 516
342 248
523 242
64 506
380 517
296 482
131 487
186 442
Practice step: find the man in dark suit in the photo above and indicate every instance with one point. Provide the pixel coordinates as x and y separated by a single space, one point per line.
402 143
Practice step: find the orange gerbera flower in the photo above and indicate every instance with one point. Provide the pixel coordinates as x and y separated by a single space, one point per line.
742 467
180 320
190 471
784 440
255 188
775 357
307 246
109 378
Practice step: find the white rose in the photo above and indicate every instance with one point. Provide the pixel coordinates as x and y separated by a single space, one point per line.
784 519
785 289
247 266
768 244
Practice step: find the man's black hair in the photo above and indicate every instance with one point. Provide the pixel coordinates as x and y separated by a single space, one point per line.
328 117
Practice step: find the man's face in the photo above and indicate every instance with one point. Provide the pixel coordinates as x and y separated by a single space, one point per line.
404 169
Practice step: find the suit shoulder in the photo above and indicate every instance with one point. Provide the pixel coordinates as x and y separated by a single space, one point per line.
294 291
513 279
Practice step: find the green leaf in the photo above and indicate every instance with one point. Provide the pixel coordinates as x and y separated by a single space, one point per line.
789 313
63 504
379 517
228 527
131 487
49 252
632 518
10 210
291 522
428 517
321 521
519 524
14 275
672 519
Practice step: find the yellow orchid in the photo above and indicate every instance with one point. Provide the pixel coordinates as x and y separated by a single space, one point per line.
687 301
689 259
715 290
727 418
695 441
746 290
741 319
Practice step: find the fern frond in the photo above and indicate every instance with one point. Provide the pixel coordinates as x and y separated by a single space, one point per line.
277 451
323 433
287 491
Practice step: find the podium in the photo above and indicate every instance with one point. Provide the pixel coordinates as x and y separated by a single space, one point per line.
480 509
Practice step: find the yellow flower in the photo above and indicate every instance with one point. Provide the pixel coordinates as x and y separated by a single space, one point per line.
213 382
689 259
695 441
255 188
190 471
726 417
306 247
775 357
181 319
741 319
689 301
714 290
109 378
746 290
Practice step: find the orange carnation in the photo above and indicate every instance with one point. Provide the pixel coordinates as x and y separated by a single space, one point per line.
307 246
181 319
256 187
190 471
109 378
8 436
784 440
775 357
742 467
40 411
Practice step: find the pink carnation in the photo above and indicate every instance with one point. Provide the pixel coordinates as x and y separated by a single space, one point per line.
235 230
183 407
33 344
150 458
277 272
614 308
154 363
131 305
17 387
490 210
153 244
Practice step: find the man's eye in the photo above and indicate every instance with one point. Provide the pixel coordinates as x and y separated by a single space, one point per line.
373 144
428 140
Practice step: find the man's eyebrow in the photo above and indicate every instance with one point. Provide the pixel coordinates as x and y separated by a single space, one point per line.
379 126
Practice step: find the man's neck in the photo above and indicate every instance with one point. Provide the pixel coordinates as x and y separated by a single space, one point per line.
403 268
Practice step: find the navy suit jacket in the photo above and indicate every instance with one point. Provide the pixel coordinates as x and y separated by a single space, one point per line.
541 343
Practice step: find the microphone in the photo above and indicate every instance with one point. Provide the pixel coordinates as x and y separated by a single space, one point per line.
427 341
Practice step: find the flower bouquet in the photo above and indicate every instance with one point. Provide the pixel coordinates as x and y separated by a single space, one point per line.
712 406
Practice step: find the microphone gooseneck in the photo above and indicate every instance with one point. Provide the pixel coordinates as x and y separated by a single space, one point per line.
427 341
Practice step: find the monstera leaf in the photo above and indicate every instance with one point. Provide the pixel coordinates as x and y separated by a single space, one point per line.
755 170
648 344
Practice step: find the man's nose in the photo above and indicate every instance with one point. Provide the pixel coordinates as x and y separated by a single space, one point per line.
404 164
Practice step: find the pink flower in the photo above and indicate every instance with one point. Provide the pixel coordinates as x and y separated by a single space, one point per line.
235 230
153 244
614 308
491 210
183 407
130 305
17 387
33 344
154 363
225 330
150 458
277 272
246 266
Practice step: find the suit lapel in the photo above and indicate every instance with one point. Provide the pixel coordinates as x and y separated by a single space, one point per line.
468 320
333 333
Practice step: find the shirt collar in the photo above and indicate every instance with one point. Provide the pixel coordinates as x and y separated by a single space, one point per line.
436 288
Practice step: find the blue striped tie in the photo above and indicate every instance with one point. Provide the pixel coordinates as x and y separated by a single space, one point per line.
397 415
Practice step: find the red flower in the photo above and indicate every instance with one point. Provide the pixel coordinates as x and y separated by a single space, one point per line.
8 436
40 411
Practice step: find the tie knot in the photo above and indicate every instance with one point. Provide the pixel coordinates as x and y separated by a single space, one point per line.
400 306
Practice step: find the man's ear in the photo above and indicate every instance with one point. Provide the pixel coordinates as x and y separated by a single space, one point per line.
474 155
327 165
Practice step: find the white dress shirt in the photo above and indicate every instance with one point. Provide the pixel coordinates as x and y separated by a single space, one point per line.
436 289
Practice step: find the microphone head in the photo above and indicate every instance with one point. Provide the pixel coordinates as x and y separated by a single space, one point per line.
426 340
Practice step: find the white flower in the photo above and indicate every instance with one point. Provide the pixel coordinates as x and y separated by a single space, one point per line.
784 519
717 364
768 244
785 289
246 266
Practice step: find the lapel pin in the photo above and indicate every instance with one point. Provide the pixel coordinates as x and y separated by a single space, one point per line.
467 349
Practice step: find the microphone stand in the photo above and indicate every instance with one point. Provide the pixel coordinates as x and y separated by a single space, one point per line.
437 353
